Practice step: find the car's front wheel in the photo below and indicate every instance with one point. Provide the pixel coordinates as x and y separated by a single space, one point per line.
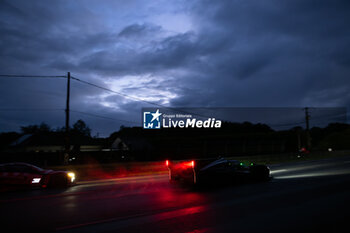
260 172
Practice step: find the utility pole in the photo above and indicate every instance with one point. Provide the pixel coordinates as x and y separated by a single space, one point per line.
299 138
67 141
307 119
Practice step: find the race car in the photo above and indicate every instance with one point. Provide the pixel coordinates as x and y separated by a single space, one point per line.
215 171
27 175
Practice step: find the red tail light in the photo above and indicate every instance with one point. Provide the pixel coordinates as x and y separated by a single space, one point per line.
167 163
189 164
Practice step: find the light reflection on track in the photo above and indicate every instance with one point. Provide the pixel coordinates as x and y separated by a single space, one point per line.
131 202
314 174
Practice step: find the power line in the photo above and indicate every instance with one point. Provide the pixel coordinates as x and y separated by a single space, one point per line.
31 76
82 81
29 109
119 93
60 109
100 87
328 118
135 98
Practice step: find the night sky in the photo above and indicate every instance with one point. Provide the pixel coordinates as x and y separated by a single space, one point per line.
222 53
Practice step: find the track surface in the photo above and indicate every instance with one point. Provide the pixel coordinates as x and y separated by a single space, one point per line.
311 196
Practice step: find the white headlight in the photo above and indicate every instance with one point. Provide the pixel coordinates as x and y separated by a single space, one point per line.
36 180
71 175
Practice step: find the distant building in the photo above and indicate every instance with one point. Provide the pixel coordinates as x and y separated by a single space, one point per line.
53 142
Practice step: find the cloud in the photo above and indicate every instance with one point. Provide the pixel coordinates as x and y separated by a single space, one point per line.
287 51
218 53
137 30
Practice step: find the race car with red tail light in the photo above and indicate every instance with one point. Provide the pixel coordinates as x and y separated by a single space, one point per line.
215 171
27 175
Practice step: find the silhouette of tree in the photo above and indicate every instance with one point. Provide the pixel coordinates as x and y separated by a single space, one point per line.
33 129
80 127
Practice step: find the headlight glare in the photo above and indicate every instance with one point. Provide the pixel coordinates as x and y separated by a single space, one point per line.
71 175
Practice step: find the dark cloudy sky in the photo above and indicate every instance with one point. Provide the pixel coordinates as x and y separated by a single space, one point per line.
179 53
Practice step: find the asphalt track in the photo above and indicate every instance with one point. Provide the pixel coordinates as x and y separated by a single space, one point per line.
311 196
